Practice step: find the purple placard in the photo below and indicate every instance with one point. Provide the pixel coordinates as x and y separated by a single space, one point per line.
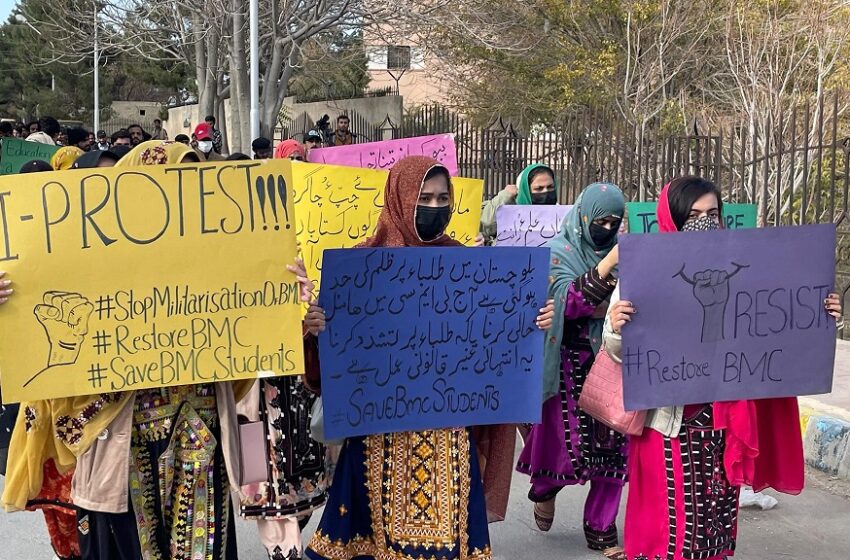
727 315
529 225
383 155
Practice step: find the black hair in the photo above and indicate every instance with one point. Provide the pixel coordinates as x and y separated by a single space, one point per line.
436 171
93 158
341 117
209 118
237 156
157 121
190 157
182 138
77 135
140 127
537 171
49 126
684 192
29 125
35 166
6 127
121 133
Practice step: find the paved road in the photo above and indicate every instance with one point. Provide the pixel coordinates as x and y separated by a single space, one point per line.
813 526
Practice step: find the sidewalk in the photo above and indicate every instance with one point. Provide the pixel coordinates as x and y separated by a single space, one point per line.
825 420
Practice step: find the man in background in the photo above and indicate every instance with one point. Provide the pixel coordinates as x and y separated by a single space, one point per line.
216 133
262 148
121 138
158 133
342 135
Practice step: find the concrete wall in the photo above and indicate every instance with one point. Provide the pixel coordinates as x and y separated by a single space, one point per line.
141 111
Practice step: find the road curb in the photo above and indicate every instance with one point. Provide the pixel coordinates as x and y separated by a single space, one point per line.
826 441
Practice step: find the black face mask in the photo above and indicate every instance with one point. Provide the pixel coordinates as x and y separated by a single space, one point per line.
431 222
545 197
602 236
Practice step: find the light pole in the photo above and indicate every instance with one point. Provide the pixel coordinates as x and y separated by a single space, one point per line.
96 71
254 16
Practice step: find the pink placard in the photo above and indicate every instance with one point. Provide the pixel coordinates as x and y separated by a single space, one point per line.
383 155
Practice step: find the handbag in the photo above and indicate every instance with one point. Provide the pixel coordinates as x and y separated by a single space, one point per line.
602 397
252 448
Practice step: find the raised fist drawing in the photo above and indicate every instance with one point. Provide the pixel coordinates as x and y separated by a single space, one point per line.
711 290
65 318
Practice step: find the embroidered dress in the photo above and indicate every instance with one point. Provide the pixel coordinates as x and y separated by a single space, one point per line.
297 479
411 495
569 446
178 483
60 515
699 519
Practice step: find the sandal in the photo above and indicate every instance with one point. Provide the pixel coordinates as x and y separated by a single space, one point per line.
543 518
615 553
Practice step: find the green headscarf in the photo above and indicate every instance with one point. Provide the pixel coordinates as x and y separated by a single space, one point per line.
524 188
572 254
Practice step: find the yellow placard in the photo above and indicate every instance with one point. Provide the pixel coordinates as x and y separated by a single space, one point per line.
338 207
130 278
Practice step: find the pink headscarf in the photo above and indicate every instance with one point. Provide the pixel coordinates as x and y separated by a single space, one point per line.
288 148
764 444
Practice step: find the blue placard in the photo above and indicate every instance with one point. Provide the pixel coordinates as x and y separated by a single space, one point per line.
425 338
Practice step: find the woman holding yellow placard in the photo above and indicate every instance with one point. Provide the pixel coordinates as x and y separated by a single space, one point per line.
154 468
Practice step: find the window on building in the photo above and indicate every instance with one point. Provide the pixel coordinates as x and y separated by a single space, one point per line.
398 58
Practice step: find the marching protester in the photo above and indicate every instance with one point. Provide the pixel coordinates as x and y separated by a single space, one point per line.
102 142
121 137
47 131
535 185
262 148
205 149
65 157
53 493
96 158
757 443
417 210
137 134
299 468
215 134
79 138
569 446
290 149
312 140
35 166
237 156
115 449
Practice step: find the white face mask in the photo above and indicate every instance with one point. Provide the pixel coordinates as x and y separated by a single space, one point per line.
205 146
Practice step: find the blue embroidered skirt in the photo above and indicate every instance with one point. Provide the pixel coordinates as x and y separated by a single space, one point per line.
410 495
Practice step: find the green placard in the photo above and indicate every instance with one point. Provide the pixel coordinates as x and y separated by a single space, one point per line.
16 152
642 216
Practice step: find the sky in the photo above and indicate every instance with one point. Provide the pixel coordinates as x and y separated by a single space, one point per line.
6 8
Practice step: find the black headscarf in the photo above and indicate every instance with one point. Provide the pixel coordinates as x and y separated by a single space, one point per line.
93 158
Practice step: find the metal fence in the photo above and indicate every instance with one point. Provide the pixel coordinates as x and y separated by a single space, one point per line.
795 167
